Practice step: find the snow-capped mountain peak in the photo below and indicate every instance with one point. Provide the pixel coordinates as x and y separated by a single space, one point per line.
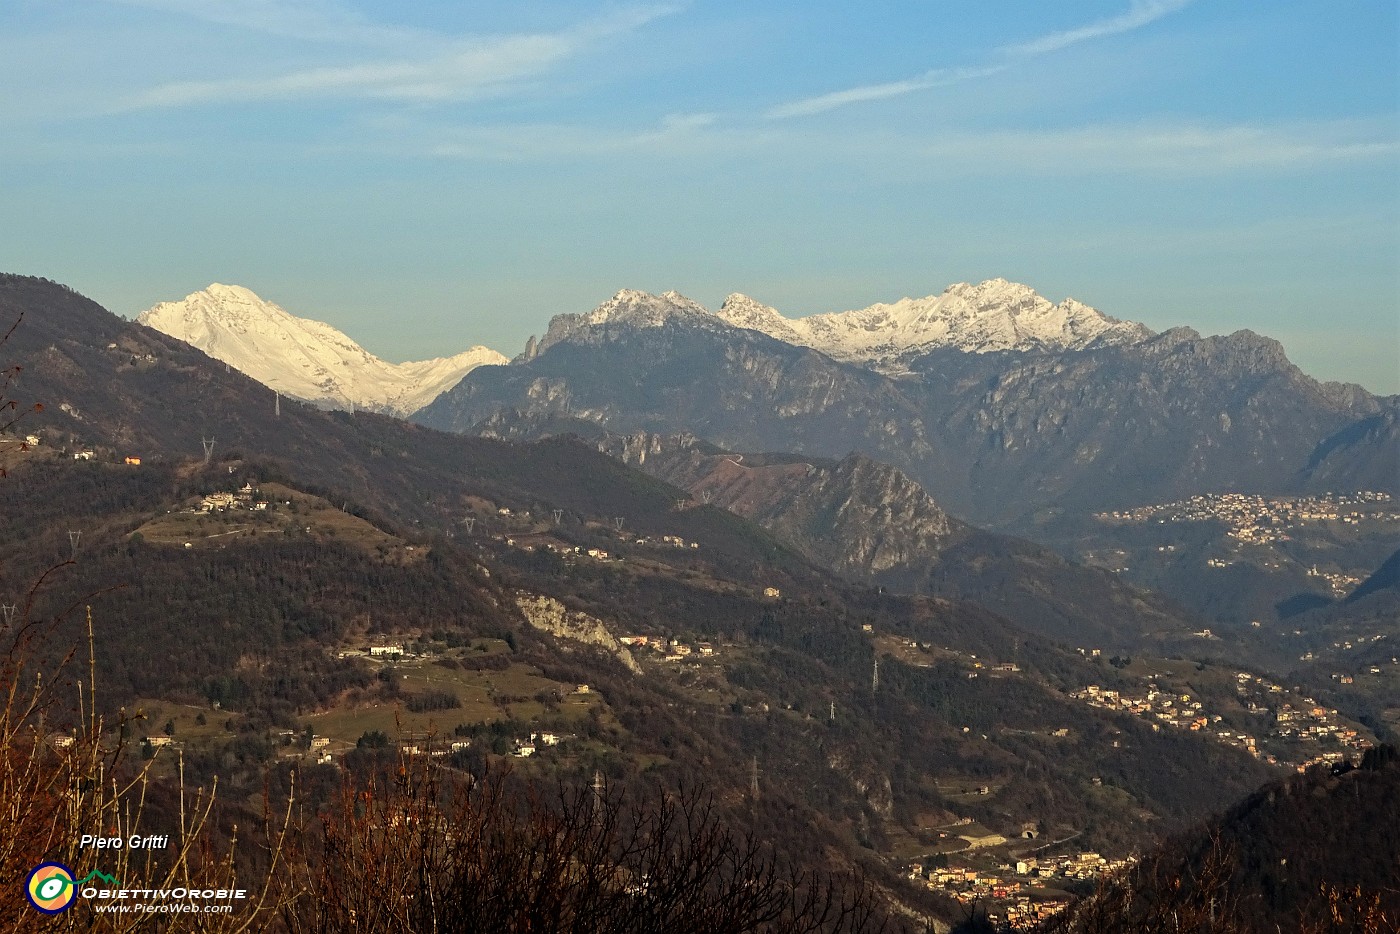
306 359
637 307
744 312
977 318
629 307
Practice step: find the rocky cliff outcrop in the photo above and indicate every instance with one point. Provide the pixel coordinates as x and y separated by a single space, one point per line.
553 617
856 515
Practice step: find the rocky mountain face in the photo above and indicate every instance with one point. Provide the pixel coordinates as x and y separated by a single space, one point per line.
304 359
1173 415
1364 455
871 523
628 310
1006 439
995 315
553 617
856 516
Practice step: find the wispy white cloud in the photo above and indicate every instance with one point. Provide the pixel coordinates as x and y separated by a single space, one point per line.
1153 150
940 77
683 122
687 135
471 69
441 70
1141 13
1168 149
311 20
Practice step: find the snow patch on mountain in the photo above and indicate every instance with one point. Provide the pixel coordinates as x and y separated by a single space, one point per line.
304 359
628 308
990 316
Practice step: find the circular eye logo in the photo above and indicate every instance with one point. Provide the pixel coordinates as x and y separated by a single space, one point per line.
50 888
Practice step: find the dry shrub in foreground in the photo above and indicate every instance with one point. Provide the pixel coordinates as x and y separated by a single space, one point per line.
434 850
1203 898
65 773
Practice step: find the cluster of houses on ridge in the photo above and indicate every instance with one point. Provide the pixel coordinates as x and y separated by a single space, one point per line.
245 497
672 650
409 744
563 549
521 530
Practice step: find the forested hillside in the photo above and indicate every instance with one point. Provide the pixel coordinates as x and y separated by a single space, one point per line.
1315 852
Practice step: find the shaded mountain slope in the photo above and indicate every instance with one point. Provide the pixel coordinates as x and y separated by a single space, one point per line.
872 523
1003 439
124 390
1386 577
1311 853
1364 455
1175 415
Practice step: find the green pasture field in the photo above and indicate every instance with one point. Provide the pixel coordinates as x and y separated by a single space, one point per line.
486 696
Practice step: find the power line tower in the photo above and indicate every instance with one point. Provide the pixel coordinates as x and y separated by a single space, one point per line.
8 611
208 449
469 521
875 676
73 543
599 790
753 778
831 713
277 403
558 516
707 495
617 522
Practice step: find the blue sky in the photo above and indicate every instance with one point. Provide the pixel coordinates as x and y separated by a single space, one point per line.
431 175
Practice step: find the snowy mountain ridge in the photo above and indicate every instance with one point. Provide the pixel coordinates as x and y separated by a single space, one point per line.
305 359
990 316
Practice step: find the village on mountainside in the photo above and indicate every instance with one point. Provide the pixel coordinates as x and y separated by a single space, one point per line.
1256 518
1025 890
1290 730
